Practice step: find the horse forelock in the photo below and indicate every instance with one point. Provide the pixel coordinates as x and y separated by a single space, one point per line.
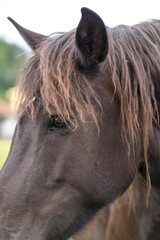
52 76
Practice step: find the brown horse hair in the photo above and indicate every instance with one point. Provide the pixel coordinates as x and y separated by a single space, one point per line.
51 76
133 64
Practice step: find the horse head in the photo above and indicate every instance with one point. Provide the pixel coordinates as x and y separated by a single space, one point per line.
69 156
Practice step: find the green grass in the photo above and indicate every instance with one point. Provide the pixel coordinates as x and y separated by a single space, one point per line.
4 149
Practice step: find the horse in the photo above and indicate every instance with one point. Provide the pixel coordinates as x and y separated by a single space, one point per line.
87 109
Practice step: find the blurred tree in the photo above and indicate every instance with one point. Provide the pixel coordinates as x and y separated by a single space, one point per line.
11 60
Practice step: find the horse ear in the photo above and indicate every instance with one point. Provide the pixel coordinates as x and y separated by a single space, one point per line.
32 38
91 38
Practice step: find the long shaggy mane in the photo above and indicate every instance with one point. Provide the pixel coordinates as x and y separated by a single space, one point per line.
52 77
133 64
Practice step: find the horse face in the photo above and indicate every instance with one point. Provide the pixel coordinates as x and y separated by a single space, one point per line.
56 179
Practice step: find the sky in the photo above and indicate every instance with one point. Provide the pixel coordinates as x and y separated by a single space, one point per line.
50 16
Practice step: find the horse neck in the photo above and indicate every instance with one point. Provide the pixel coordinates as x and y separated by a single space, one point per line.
131 218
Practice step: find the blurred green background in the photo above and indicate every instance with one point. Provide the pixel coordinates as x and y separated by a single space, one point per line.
12 58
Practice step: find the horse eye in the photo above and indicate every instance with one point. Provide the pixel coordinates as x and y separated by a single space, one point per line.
56 123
